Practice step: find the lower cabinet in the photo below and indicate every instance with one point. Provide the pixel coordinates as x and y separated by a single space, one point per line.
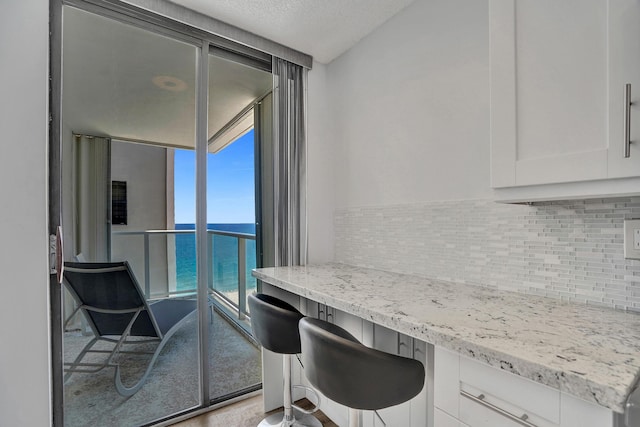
478 395
458 391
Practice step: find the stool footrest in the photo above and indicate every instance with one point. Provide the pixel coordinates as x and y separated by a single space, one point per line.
300 420
316 402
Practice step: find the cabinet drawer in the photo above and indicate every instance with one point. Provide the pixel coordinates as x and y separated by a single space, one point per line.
507 391
480 409
479 416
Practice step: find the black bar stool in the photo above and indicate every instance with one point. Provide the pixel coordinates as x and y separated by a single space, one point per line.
275 325
354 375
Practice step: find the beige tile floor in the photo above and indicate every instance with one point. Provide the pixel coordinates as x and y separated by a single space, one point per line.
246 413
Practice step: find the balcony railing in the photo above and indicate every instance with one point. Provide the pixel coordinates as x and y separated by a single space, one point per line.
216 267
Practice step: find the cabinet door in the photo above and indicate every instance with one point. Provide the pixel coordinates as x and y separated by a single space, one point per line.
578 413
479 416
442 419
446 381
624 60
512 393
337 412
421 405
549 83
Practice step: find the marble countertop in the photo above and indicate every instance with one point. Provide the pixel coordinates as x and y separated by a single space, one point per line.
589 352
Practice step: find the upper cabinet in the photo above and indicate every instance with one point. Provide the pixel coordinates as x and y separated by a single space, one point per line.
624 68
558 75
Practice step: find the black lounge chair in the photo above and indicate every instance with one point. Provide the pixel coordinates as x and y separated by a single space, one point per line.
115 308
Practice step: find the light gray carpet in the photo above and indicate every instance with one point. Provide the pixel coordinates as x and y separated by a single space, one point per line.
172 386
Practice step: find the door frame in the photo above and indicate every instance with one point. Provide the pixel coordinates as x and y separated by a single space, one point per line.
253 53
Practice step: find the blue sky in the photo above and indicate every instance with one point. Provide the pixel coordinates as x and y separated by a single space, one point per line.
230 184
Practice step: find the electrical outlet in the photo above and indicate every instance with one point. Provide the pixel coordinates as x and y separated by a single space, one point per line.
632 238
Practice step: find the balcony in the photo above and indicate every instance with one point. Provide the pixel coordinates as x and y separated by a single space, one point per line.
163 261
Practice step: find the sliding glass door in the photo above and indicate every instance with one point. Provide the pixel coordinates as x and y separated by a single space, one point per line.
236 91
129 112
163 133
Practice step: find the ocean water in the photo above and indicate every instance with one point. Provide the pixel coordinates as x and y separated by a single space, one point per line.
224 258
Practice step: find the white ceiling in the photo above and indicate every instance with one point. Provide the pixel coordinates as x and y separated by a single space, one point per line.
323 29
109 67
108 83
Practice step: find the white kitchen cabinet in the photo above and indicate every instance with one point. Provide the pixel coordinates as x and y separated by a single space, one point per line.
558 72
501 397
576 413
446 382
479 414
515 394
452 381
624 60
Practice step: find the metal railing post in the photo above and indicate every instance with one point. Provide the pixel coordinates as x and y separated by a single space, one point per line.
242 278
147 268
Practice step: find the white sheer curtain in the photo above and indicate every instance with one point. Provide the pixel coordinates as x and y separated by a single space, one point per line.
289 109
92 198
86 223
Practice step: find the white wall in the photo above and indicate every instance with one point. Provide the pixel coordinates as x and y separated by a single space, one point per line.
144 169
24 317
402 117
410 103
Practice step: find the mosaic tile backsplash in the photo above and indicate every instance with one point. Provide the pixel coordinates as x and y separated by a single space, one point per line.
569 250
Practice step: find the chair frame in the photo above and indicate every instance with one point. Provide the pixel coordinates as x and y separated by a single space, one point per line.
78 366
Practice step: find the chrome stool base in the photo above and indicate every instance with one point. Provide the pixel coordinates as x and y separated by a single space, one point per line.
301 420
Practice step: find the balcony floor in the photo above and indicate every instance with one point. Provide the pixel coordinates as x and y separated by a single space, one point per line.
172 386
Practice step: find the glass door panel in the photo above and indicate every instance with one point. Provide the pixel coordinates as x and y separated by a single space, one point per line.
128 130
234 91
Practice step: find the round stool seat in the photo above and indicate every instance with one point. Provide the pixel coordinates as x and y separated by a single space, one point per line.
350 373
275 323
